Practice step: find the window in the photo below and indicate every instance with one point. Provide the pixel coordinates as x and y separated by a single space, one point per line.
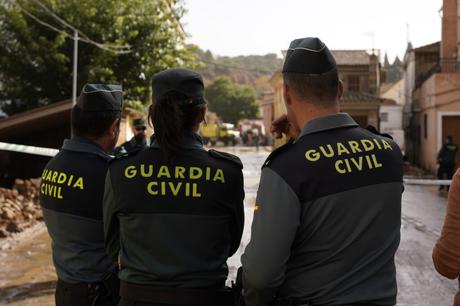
353 83
425 126
384 117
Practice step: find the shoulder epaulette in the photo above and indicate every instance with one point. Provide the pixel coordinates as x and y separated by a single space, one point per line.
373 130
126 154
275 153
227 156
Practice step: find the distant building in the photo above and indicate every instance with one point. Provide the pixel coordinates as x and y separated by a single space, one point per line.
419 64
393 72
440 93
391 111
267 105
432 93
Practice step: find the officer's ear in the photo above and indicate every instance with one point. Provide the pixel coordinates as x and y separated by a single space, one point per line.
340 90
114 129
287 95
202 114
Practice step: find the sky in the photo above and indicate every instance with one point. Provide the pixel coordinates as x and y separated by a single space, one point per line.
243 27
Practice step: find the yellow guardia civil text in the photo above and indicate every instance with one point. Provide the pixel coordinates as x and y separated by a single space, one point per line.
185 179
350 160
53 181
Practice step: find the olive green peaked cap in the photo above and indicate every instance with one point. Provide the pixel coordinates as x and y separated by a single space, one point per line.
308 56
101 98
184 81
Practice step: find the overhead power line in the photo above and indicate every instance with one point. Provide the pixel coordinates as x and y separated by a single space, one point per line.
84 38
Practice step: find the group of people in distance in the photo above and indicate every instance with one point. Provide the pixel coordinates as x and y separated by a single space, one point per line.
156 224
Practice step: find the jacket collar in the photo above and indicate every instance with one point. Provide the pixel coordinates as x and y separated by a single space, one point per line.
80 144
328 122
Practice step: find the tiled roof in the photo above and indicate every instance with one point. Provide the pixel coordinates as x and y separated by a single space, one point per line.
356 97
351 57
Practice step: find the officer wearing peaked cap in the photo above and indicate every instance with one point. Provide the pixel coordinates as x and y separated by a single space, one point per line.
328 210
174 211
71 194
138 141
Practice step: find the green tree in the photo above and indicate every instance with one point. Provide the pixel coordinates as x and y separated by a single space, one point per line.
135 39
231 101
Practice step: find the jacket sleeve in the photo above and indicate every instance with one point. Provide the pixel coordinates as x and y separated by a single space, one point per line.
111 223
276 219
446 252
441 154
238 219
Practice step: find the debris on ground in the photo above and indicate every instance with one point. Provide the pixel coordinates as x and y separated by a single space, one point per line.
19 206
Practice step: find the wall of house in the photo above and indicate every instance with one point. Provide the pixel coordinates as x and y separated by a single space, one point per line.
449 33
267 115
393 123
396 93
356 71
440 98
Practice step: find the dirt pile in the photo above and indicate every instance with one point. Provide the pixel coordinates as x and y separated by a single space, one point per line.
19 207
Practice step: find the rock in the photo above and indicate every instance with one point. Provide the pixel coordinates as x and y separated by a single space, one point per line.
3 233
8 214
13 227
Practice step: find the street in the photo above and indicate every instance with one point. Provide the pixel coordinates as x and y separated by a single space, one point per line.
28 277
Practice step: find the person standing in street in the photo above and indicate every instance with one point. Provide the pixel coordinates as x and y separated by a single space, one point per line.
446 252
71 194
327 216
173 212
446 161
138 141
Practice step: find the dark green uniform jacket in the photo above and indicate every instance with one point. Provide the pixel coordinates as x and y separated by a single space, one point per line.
327 220
71 196
174 224
447 154
130 146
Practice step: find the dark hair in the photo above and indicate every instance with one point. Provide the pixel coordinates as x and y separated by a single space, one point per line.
321 89
170 120
91 124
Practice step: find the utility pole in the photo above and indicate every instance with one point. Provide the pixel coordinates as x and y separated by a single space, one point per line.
75 67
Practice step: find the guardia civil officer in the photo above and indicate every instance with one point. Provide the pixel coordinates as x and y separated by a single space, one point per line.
446 160
328 211
138 141
173 212
71 194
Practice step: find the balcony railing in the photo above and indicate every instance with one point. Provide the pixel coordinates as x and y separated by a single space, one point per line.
450 65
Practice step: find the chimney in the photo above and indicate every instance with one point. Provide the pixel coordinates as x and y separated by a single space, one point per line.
449 36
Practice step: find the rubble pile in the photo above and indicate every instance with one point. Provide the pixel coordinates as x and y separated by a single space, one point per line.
411 171
19 207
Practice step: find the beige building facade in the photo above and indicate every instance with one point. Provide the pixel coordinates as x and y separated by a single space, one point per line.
439 95
439 115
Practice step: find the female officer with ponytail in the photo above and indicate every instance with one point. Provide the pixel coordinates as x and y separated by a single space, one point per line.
173 212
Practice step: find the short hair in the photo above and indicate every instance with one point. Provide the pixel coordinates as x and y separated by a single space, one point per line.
91 124
320 89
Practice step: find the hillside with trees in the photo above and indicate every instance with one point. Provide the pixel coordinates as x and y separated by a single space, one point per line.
251 70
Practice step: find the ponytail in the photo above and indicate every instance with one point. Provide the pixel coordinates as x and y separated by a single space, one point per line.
170 120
